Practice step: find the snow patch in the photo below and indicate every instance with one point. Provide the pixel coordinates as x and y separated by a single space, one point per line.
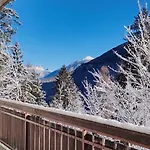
70 67
88 58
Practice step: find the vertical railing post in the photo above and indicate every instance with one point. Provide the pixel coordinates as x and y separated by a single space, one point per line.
103 142
49 137
61 138
75 139
35 137
0 123
44 134
26 132
83 134
67 139
25 138
55 136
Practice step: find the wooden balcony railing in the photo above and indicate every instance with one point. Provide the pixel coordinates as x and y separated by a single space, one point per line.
29 127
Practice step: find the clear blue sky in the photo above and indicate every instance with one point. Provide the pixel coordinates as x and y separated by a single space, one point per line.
57 32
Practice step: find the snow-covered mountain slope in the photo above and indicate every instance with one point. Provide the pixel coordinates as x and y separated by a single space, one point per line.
40 71
76 64
109 59
71 68
82 72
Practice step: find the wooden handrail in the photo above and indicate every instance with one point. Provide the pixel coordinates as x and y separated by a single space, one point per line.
72 119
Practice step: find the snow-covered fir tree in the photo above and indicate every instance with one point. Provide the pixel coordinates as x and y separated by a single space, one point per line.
30 86
135 26
16 81
21 75
8 24
7 83
138 74
9 21
129 102
136 32
99 98
36 86
66 94
14 76
17 58
75 103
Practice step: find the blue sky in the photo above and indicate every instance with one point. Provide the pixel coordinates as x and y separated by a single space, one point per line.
57 32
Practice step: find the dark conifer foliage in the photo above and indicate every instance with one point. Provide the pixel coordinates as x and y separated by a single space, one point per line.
66 93
135 26
60 87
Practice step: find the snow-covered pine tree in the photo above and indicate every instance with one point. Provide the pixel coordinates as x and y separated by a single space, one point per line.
7 84
17 59
66 94
135 26
36 87
59 100
99 98
121 78
21 83
8 27
75 104
16 82
129 103
20 75
138 74
9 20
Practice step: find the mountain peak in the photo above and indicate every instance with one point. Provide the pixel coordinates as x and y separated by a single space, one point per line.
70 67
88 58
